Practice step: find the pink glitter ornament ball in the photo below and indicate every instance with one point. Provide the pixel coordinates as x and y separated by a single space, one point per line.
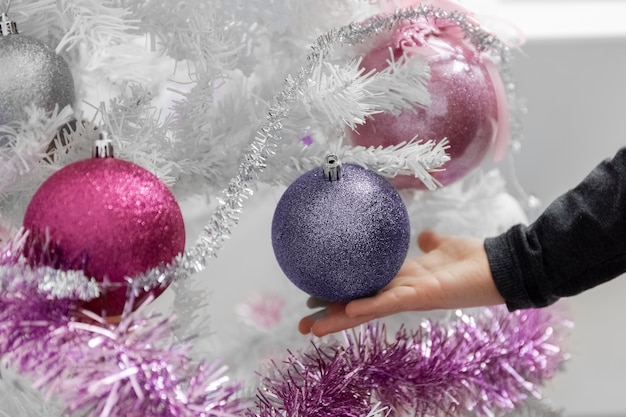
110 218
468 105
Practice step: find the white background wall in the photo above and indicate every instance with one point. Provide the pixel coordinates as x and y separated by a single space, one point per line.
576 96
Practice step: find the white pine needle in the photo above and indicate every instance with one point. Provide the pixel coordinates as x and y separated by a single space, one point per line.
403 84
412 158
346 95
92 25
21 162
379 411
407 158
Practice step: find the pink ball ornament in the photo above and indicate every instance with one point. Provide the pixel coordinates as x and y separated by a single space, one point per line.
110 218
468 106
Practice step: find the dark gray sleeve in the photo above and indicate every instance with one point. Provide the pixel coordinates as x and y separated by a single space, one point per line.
577 243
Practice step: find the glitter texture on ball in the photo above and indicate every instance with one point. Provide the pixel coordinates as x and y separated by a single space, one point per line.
110 218
32 74
340 240
464 91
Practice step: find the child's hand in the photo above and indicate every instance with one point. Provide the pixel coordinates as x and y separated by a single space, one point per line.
453 273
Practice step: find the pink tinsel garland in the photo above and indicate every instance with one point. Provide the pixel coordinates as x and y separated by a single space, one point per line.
488 364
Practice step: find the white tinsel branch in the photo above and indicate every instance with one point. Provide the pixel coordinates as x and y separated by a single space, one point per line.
414 158
188 304
139 133
402 84
478 206
187 31
210 132
92 26
83 31
37 18
345 94
379 411
277 34
26 144
18 399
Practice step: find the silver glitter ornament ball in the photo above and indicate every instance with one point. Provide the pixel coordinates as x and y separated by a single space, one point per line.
31 74
340 240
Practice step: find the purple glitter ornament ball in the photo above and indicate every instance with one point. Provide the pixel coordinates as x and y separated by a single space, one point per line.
341 240
110 218
466 106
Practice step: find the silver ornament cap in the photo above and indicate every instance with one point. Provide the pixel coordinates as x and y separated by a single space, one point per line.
102 147
332 168
7 26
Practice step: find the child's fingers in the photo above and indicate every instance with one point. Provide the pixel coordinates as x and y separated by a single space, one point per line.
429 240
316 302
330 320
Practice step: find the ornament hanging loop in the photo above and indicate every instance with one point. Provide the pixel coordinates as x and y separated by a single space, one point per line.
7 26
102 147
332 168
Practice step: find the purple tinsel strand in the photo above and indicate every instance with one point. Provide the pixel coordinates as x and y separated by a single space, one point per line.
314 388
98 369
26 318
486 364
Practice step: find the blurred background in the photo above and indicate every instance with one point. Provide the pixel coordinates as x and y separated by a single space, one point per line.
571 74
576 97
